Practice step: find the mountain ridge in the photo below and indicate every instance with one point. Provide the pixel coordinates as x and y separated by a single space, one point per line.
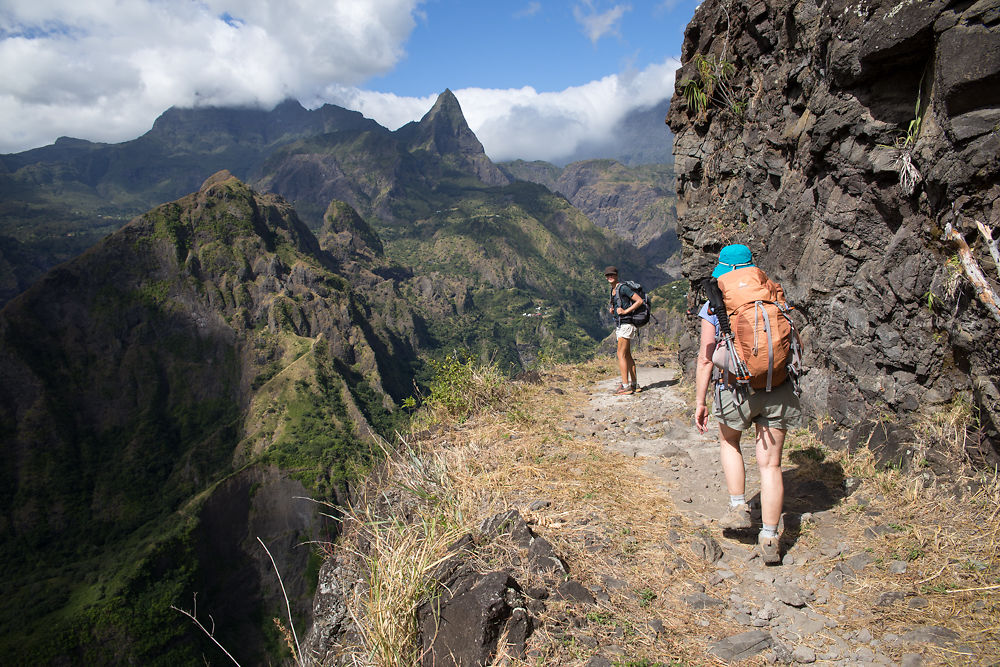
400 183
58 200
209 346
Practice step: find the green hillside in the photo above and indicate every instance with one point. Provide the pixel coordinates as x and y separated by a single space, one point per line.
57 201
204 354
474 251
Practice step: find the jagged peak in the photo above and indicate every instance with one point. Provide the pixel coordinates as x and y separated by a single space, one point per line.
446 103
444 131
444 126
446 115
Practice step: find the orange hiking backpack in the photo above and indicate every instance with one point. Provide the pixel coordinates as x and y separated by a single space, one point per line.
763 347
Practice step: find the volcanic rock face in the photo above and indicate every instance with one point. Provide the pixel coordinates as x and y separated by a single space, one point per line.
870 127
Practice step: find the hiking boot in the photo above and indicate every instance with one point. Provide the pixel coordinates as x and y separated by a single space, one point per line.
769 549
737 518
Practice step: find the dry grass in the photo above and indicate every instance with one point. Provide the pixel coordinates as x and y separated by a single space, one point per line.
605 519
400 558
946 531
398 533
608 518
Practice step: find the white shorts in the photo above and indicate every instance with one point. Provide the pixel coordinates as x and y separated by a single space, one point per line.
626 331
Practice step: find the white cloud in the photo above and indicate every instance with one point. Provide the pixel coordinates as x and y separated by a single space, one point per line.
67 63
388 109
524 123
103 70
598 24
549 126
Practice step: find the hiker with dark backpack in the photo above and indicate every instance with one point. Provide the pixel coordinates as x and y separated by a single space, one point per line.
630 310
749 350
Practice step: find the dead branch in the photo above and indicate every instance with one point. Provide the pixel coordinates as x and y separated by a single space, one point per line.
193 615
991 243
973 272
978 588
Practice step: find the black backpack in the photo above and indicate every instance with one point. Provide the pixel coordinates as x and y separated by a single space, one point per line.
640 316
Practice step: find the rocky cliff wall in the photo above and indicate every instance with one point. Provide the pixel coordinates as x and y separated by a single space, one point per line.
853 144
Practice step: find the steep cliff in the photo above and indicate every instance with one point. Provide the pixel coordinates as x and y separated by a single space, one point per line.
164 398
853 144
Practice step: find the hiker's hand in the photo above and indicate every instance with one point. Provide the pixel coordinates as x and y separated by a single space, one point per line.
701 418
621 311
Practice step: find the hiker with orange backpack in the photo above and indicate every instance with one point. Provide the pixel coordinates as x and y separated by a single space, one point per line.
749 350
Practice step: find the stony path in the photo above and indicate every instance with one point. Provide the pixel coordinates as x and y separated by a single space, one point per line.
798 612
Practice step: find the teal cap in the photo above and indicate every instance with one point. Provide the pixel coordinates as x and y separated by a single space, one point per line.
736 256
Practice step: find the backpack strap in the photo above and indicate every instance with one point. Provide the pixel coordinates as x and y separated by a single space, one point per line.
617 295
718 304
759 311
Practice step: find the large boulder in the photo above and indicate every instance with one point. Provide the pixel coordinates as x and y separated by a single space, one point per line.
464 627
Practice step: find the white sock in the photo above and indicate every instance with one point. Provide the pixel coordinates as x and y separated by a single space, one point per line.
769 531
737 500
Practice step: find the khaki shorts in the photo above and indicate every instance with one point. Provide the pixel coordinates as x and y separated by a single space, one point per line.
626 331
778 408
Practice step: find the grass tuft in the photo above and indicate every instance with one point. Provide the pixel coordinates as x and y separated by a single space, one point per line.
398 555
463 387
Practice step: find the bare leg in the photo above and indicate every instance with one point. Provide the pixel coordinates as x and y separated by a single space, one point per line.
625 363
772 486
631 366
732 460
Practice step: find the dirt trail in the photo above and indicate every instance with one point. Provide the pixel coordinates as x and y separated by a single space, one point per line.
807 609
683 460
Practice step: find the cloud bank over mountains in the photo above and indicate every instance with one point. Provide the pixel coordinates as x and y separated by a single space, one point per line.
103 70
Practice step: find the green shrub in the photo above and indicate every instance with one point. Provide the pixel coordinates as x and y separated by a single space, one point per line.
462 387
714 85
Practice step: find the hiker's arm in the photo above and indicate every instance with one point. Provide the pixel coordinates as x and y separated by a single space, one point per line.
703 374
636 302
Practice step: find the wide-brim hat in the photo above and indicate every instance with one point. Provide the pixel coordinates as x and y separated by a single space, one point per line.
611 271
731 257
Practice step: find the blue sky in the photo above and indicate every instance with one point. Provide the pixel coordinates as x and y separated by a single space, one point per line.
460 44
534 77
